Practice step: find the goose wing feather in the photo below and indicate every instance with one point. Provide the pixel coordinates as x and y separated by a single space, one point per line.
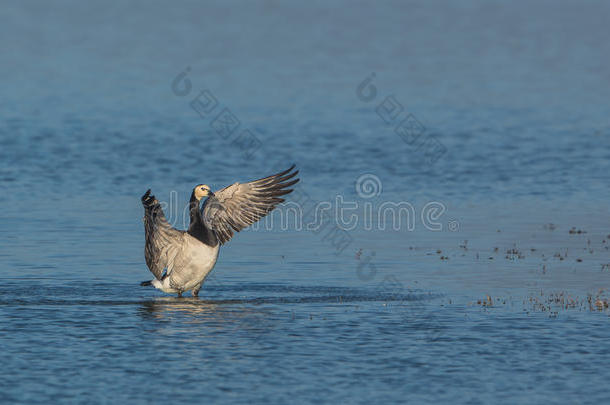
239 205
163 242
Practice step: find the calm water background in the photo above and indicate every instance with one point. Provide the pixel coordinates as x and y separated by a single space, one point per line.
516 93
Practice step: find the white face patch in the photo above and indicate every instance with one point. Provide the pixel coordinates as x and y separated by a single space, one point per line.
201 191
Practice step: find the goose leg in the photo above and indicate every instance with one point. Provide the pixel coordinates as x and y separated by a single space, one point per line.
195 291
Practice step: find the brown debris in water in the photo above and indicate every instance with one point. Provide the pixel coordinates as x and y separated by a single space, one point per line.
562 301
575 231
487 302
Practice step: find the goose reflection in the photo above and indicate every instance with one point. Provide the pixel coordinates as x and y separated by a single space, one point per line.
167 306
226 316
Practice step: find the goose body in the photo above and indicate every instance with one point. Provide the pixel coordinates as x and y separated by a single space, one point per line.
194 261
181 260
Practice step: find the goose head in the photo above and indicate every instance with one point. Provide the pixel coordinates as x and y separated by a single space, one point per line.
201 191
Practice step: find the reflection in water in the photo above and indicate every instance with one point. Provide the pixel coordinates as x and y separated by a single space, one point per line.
212 317
188 306
255 317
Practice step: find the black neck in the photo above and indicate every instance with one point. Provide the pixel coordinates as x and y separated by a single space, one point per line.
197 228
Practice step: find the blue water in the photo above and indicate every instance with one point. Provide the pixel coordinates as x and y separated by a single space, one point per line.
509 134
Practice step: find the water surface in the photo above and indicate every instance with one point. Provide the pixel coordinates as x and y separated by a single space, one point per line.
504 303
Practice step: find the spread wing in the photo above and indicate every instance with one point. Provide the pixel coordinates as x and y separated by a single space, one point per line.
163 243
240 205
